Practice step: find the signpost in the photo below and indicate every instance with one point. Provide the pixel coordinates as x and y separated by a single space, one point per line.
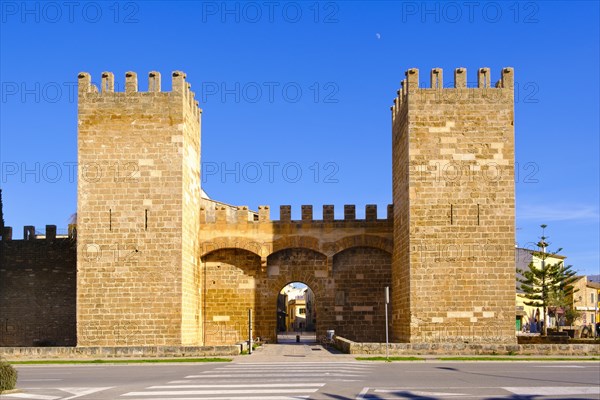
249 331
387 300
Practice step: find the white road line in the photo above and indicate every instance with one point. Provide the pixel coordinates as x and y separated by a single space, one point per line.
270 379
31 396
235 398
268 371
271 385
362 393
553 390
291 375
295 368
82 391
234 391
40 380
306 363
421 393
275 372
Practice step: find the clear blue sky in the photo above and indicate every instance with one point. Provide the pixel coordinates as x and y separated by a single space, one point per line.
305 88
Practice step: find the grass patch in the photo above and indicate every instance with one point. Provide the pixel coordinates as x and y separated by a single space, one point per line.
126 361
389 359
504 358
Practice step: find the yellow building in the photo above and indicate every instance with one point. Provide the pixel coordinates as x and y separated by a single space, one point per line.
298 302
598 307
529 318
585 300
296 313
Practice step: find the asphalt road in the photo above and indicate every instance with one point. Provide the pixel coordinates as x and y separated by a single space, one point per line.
314 380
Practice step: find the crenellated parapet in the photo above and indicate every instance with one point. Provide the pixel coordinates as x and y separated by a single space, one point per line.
50 234
212 212
502 90
179 87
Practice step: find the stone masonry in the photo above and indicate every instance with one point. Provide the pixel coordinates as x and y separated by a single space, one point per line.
138 213
453 188
160 264
37 289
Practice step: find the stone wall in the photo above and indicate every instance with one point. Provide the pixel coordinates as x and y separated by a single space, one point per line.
454 234
229 292
466 349
360 274
37 292
103 353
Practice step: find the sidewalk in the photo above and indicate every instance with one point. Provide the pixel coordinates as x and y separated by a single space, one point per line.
287 350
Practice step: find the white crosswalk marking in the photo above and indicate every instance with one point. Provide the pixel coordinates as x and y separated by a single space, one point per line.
74 393
283 375
254 381
220 391
284 385
476 392
30 396
82 391
423 393
233 398
553 390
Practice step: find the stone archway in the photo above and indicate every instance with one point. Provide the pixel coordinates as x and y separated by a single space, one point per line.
296 314
291 265
238 279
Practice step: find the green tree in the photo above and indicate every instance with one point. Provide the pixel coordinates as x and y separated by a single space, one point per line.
543 284
562 298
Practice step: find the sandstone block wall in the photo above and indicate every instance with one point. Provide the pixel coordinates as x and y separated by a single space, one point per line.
138 194
247 261
160 266
453 187
37 292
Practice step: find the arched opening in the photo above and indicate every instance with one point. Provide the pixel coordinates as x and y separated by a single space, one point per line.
296 314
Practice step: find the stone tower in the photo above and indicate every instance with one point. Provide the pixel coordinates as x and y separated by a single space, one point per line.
454 198
138 213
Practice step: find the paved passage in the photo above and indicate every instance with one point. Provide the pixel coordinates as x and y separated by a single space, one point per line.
317 377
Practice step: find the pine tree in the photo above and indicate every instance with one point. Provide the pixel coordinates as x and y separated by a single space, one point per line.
544 283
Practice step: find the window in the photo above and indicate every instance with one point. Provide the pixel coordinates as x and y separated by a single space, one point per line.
592 297
302 311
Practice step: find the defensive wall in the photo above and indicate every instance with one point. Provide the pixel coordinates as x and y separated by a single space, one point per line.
159 264
37 288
